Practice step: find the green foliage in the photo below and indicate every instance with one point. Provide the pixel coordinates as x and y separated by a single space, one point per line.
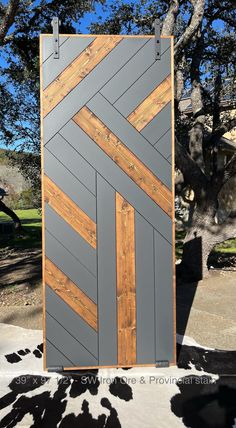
3 157
228 246
32 225
28 198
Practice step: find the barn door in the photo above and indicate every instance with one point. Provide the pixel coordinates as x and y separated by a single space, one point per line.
107 137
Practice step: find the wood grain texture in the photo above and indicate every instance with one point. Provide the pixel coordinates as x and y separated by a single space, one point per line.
152 105
103 36
126 286
172 363
77 70
70 293
69 211
173 198
125 159
42 191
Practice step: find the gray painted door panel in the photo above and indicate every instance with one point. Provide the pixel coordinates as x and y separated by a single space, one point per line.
86 174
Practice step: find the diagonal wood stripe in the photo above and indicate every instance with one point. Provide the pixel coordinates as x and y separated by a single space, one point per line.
70 293
76 71
124 158
152 105
69 211
126 283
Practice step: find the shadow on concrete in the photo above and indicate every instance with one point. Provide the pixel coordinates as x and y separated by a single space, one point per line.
20 314
184 300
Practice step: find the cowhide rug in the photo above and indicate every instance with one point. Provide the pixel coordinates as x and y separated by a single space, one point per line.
199 393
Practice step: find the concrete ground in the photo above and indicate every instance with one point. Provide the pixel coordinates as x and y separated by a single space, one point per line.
205 311
23 316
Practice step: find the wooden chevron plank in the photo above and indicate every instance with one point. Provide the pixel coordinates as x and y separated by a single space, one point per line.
76 71
124 158
152 105
126 284
69 211
70 293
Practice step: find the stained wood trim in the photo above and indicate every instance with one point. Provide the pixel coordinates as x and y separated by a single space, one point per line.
126 285
70 293
152 105
125 36
69 211
76 71
173 199
42 190
124 158
172 363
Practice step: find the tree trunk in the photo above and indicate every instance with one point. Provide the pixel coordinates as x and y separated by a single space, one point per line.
11 214
199 241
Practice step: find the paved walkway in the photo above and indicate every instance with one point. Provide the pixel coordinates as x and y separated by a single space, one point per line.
206 310
23 316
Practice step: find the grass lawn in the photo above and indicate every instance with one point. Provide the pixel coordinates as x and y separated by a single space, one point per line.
32 226
226 247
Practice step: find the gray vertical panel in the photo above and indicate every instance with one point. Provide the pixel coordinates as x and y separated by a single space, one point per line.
71 321
158 125
68 52
95 80
163 298
48 45
67 344
145 291
106 248
142 88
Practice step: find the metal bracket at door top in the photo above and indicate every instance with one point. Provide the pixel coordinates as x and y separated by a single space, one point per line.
55 26
157 27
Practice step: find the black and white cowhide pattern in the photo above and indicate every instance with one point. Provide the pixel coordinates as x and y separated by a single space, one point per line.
199 393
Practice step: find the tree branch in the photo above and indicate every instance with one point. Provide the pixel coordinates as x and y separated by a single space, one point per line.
180 77
222 129
224 231
8 18
169 21
229 170
193 175
198 108
195 22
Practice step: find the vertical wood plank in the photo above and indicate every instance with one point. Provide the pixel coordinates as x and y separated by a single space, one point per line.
174 359
126 287
42 192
